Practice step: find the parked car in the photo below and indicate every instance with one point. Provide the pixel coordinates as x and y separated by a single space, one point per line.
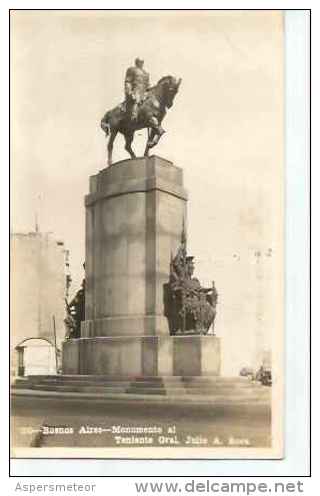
264 375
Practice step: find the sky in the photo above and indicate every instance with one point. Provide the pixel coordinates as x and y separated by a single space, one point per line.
225 130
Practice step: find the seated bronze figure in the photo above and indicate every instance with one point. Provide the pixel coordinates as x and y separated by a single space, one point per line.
189 307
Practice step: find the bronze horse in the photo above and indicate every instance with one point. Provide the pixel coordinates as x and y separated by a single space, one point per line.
151 112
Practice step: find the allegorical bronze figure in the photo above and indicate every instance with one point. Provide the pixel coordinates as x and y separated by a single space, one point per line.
144 107
75 311
189 307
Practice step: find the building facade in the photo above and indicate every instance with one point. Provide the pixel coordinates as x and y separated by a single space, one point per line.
38 287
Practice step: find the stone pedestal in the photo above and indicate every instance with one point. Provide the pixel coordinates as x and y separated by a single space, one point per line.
136 356
135 213
134 217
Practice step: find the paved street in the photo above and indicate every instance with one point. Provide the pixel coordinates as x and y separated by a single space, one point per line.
173 425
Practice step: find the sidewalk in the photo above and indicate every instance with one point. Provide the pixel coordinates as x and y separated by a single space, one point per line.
171 399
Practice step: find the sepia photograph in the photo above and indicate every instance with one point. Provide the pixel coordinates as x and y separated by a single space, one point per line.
147 234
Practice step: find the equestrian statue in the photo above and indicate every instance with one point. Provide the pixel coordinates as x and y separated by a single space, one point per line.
145 106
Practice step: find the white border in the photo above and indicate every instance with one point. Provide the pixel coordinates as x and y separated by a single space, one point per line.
296 422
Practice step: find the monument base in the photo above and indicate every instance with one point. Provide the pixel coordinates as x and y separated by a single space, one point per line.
132 356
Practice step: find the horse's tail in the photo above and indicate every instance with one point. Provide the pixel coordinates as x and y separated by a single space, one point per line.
105 123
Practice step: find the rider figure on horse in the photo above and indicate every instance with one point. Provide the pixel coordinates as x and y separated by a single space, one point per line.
144 108
137 82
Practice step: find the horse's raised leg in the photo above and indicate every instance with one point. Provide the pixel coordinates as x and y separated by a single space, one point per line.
113 134
156 132
129 139
157 136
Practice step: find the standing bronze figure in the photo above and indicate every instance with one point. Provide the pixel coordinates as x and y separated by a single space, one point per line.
144 107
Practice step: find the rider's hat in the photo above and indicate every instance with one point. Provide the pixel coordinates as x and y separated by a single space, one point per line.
139 59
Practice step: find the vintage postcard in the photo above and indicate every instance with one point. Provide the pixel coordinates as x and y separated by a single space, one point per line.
147 234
